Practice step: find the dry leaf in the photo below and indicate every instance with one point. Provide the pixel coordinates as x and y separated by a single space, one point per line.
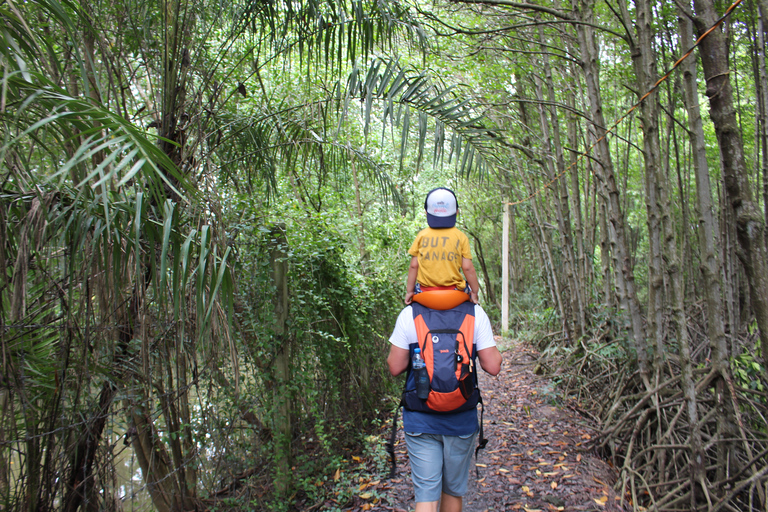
601 501
366 495
578 458
502 470
553 485
337 475
356 458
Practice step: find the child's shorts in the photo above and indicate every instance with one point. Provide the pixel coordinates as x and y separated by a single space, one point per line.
417 288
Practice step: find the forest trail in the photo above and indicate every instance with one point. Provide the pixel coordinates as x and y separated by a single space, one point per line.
536 458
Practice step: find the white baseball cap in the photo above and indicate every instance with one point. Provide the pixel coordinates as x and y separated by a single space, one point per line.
441 207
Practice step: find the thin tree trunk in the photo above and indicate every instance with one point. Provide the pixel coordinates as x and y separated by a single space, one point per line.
156 469
583 267
762 86
548 168
709 267
516 271
644 61
547 253
562 201
282 394
359 213
625 278
80 479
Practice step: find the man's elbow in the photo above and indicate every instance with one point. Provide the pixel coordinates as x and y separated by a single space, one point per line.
396 363
491 361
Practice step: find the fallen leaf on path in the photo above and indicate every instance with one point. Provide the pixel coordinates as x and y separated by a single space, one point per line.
601 501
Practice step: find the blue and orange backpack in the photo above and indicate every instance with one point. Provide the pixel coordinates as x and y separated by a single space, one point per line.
446 340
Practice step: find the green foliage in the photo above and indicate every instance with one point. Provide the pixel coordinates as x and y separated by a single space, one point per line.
748 369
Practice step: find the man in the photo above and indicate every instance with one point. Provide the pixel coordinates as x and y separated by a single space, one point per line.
440 445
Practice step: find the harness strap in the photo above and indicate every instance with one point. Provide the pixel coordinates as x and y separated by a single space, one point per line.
481 440
391 443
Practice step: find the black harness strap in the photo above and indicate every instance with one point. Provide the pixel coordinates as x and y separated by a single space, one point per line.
391 443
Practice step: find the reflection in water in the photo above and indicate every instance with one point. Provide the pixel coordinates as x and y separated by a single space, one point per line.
130 486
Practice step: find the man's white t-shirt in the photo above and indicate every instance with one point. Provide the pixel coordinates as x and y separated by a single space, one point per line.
405 329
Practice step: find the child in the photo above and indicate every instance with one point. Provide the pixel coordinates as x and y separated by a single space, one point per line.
441 250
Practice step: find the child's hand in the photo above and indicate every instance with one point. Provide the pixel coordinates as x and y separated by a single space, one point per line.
408 298
473 296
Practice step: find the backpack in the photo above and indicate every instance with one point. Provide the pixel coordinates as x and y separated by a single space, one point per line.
446 340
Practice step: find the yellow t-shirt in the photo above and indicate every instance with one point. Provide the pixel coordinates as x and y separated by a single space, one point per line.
440 252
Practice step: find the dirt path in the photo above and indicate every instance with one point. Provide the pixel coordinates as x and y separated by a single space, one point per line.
535 459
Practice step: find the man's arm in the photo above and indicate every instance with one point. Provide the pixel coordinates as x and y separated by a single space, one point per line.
490 360
410 285
398 360
471 275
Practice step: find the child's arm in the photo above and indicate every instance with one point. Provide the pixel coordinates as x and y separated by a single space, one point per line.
471 275
410 285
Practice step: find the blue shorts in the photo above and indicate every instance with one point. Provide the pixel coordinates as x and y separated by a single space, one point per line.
439 464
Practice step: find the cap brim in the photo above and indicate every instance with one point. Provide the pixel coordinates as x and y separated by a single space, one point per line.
441 222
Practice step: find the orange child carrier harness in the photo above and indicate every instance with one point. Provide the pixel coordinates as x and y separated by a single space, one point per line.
446 339
440 297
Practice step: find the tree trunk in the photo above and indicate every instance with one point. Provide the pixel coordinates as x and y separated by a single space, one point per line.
710 263
80 479
644 62
282 395
584 265
550 173
560 190
504 274
546 251
761 81
625 279
156 469
750 225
